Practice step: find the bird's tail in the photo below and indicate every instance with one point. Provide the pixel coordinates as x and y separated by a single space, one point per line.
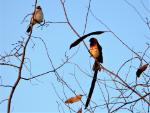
29 28
96 66
91 89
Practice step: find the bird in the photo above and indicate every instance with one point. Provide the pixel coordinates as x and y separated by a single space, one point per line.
37 18
96 52
141 70
74 99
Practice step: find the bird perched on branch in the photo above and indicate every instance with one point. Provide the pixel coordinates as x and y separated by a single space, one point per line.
37 18
73 99
141 70
96 52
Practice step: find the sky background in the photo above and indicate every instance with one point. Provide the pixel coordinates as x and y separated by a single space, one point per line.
38 96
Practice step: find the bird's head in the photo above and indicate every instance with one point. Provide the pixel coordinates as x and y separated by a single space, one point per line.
93 40
38 7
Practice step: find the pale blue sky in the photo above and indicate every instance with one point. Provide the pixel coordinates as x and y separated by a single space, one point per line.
39 96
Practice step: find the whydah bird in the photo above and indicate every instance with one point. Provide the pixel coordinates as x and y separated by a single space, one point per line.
96 52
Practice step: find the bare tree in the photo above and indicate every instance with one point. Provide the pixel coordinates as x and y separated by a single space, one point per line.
116 91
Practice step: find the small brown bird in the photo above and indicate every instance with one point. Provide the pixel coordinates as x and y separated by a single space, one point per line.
141 70
73 99
96 51
37 18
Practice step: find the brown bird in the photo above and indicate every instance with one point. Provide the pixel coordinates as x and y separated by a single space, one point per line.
96 52
141 70
73 99
37 18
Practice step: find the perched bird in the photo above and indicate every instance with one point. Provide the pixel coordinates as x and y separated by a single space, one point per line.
141 70
73 99
96 52
37 18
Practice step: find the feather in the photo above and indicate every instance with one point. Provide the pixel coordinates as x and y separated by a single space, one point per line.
91 89
75 43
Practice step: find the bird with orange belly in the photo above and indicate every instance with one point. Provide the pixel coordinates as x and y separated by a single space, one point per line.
96 52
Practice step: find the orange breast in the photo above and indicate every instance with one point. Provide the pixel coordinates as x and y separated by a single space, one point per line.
94 51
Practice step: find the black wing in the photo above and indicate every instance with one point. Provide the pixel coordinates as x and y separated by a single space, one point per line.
100 59
91 89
